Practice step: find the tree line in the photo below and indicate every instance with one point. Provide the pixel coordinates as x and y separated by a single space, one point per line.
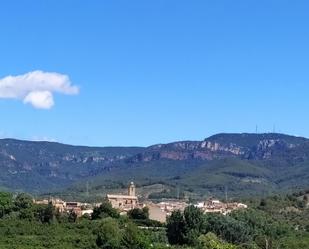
270 223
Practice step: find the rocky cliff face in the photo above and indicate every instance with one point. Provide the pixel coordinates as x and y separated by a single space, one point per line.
27 156
45 163
205 150
53 163
263 147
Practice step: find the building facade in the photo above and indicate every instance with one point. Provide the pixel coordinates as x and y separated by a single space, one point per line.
124 202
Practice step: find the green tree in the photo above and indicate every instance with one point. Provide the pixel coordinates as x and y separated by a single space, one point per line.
23 201
23 204
139 214
44 213
263 203
72 217
176 228
109 235
211 241
194 224
105 210
6 203
133 239
186 227
228 228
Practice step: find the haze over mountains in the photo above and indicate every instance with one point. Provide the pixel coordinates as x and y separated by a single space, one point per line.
243 163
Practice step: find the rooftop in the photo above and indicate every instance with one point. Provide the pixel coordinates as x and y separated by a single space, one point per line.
122 197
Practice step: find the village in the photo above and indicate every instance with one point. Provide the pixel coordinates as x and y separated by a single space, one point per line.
157 211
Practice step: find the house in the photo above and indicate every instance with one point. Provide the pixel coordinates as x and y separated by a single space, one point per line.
216 206
59 204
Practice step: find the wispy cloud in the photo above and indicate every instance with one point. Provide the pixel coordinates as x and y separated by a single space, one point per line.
36 88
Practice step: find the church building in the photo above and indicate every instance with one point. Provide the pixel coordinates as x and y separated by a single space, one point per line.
124 202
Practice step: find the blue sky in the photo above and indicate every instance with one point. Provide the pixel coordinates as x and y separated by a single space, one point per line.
157 71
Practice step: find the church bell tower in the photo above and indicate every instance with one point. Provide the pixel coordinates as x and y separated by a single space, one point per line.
131 189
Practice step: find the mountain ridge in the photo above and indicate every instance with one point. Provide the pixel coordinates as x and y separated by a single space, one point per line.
47 166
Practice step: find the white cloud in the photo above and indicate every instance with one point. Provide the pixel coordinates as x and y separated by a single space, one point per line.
36 88
42 100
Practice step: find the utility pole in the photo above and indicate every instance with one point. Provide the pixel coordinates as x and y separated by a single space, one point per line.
87 189
178 194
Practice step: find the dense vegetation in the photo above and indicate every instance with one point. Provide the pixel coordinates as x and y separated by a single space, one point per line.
248 164
270 223
197 179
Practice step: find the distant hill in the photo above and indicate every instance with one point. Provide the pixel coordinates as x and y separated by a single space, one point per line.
240 164
42 166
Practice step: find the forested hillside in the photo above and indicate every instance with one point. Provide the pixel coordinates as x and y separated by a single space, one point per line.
242 164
